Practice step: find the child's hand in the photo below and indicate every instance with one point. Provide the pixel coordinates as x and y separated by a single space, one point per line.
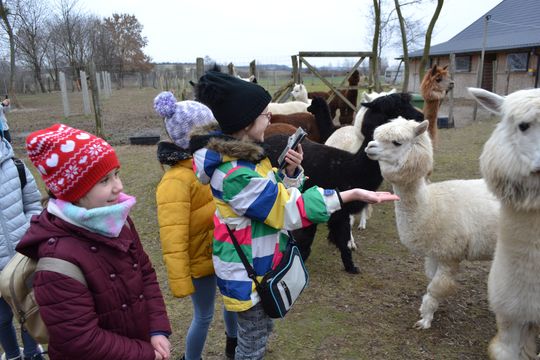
374 197
157 355
293 160
162 347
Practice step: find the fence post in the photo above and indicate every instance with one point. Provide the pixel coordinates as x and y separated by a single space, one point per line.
200 68
95 99
63 89
252 68
85 97
451 96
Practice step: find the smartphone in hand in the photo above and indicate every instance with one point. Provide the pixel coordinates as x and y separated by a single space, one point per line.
292 143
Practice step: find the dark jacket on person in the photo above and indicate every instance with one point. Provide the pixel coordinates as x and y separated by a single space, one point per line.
121 308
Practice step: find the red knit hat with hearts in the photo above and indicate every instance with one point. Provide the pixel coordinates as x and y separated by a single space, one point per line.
69 160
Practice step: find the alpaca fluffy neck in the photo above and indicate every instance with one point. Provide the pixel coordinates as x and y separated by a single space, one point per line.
431 109
412 211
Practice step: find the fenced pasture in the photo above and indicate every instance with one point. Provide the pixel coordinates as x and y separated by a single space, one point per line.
339 316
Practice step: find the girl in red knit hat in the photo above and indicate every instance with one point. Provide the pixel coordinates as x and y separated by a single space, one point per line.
120 313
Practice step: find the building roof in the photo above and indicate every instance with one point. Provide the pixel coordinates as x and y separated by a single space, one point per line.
513 24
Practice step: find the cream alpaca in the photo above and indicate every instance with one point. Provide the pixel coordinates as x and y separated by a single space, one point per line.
447 222
349 138
510 163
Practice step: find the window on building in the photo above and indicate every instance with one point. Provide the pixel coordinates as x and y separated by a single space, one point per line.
517 61
463 64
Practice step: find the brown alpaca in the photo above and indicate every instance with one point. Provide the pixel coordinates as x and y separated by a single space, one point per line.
433 88
305 120
346 113
279 128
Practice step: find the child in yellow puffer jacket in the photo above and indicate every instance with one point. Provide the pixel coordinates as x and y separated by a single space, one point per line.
185 210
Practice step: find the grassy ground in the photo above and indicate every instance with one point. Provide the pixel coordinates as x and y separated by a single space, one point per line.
339 316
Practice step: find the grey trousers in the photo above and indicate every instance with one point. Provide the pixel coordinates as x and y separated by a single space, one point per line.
254 328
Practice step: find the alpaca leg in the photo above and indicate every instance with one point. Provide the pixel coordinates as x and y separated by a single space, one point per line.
430 267
513 341
304 238
442 285
339 231
351 244
364 216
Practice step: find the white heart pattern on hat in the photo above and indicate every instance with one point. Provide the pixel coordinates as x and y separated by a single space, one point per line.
83 159
52 161
61 181
83 136
68 146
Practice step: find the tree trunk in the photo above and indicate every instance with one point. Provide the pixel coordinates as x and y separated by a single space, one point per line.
405 85
427 44
374 60
4 13
37 74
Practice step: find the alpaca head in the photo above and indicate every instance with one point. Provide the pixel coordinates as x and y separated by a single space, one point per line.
403 149
354 79
299 93
384 108
510 161
436 83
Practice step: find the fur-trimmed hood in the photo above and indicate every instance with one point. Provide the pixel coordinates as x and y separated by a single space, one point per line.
211 148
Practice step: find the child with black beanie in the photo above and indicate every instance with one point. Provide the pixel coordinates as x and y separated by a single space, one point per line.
257 202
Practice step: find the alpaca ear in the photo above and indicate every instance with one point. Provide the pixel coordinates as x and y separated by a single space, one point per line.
487 99
421 128
446 67
434 70
369 105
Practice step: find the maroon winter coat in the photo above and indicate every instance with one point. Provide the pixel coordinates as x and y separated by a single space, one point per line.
112 318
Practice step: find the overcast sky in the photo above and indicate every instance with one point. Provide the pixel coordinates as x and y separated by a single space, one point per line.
239 31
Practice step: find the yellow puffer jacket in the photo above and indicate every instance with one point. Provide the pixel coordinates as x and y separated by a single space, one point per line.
185 211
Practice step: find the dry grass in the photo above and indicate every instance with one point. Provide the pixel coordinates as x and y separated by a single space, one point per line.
340 316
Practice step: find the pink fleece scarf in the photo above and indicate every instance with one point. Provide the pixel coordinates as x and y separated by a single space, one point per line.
107 220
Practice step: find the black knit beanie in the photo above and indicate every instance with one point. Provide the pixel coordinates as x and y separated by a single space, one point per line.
234 102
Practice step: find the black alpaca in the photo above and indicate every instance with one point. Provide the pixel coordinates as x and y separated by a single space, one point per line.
321 111
333 168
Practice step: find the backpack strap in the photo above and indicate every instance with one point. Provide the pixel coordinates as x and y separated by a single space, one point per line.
20 169
62 267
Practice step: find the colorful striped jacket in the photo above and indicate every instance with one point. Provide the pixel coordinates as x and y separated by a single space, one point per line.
253 200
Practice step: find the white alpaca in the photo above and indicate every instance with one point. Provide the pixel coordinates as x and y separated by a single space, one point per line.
447 222
300 93
350 138
285 108
510 163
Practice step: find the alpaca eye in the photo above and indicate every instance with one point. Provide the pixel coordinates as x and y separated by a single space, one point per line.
524 126
438 80
396 143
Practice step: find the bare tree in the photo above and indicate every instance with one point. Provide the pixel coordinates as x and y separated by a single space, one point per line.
427 43
71 35
405 46
53 55
32 37
374 61
7 15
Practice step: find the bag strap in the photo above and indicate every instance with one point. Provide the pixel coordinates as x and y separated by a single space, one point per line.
251 272
62 267
20 169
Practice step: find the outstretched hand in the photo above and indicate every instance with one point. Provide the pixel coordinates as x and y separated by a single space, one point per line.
370 197
375 197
